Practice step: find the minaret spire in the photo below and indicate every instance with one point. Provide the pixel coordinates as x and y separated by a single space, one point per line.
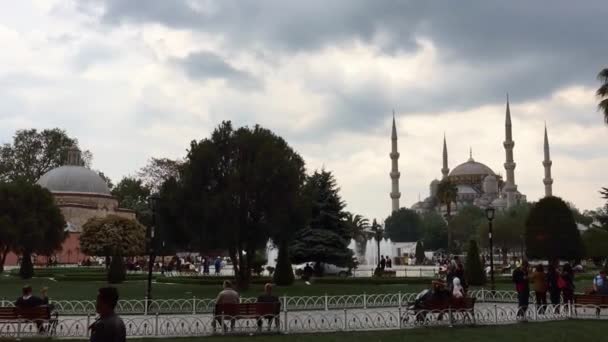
445 170
510 188
548 181
395 175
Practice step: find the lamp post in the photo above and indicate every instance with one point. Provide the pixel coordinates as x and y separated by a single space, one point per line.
153 204
490 215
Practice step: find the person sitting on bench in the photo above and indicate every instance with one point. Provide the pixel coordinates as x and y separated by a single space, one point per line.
600 284
268 297
227 296
29 301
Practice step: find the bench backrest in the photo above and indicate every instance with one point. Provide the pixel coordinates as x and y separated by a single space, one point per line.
450 303
591 299
12 313
248 309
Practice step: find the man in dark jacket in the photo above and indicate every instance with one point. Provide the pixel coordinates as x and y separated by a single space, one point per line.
522 285
27 300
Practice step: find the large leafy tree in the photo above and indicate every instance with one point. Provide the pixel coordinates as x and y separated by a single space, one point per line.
596 244
447 193
133 194
602 93
551 232
404 225
509 228
30 221
327 236
33 153
358 227
434 231
238 189
464 225
158 171
112 236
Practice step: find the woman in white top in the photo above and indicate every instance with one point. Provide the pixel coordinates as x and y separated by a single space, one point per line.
458 290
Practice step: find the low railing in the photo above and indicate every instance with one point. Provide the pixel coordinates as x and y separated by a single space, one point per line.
309 321
289 303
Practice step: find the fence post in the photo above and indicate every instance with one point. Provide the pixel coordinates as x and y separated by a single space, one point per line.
569 310
495 313
451 317
399 318
194 305
326 302
285 303
88 325
345 320
286 325
420 269
483 295
19 330
399 299
536 311
156 324
364 300
146 306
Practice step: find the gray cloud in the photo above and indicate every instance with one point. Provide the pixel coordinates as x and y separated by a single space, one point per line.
204 65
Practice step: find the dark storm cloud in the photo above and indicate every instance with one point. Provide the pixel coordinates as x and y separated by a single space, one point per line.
527 48
203 66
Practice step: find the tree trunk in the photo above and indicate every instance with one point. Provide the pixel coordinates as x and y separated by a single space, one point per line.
3 259
448 216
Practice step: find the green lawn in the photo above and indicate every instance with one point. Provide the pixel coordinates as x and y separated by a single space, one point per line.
565 331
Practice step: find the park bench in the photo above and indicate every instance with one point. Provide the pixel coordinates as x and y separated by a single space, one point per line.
247 311
40 316
597 301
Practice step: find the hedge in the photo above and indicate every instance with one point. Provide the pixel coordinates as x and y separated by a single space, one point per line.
387 280
97 277
208 280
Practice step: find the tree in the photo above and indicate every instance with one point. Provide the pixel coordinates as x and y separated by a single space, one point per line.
327 237
551 231
112 236
404 225
118 271
358 227
420 257
237 190
34 153
595 241
434 231
602 93
464 225
159 170
447 193
106 179
474 271
132 194
509 228
579 217
30 221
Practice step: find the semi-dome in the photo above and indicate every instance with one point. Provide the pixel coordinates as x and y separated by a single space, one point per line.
471 167
76 179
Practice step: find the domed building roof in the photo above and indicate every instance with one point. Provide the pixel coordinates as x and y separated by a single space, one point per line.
71 178
74 178
471 167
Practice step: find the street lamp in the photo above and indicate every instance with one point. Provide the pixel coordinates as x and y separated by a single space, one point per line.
490 215
154 199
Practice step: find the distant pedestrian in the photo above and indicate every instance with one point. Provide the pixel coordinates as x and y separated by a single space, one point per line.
553 277
218 265
389 262
522 285
109 327
539 284
567 283
382 263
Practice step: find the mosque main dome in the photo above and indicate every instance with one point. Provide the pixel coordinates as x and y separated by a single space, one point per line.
75 179
471 168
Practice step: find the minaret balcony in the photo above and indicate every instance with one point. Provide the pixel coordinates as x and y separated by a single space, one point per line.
395 175
394 155
509 144
547 163
395 195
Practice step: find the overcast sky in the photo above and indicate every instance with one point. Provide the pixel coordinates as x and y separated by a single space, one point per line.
136 79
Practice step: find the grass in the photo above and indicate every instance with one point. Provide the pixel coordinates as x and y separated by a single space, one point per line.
563 331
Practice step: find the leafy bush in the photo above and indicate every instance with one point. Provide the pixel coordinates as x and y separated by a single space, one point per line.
117 272
283 275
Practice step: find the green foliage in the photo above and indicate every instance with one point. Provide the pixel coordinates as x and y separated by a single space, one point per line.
259 260
464 225
473 268
30 221
118 271
26 270
509 227
579 217
358 227
595 241
327 237
602 93
447 194
34 153
112 235
420 257
434 231
404 225
132 194
158 171
551 231
283 274
236 190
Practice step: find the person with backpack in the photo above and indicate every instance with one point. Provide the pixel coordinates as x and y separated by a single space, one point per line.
522 286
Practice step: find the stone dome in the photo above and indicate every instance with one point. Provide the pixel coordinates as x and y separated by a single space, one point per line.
75 179
471 167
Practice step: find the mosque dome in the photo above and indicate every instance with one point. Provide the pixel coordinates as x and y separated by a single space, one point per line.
471 167
74 178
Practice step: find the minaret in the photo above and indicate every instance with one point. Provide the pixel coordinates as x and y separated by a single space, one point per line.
445 170
395 194
547 164
510 188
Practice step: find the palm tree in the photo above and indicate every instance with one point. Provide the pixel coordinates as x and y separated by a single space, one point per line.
446 195
358 227
602 93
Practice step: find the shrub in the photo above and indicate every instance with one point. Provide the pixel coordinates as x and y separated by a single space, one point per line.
283 274
420 253
473 269
26 271
117 272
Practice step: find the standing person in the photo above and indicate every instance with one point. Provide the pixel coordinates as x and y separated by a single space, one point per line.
389 262
218 265
109 327
600 284
553 283
539 284
382 262
522 285
568 287
206 266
